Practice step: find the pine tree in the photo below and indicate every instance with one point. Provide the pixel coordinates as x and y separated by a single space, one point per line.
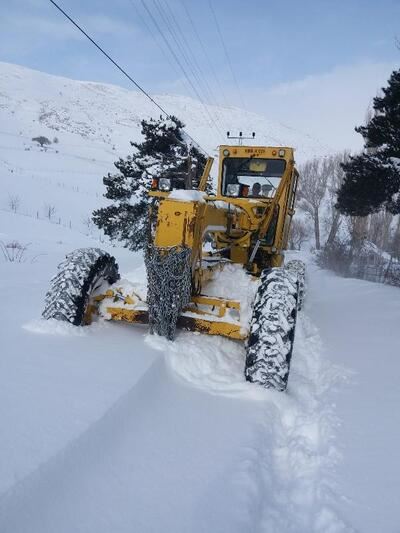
372 180
164 153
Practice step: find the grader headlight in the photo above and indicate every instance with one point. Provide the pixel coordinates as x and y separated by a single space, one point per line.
164 184
233 189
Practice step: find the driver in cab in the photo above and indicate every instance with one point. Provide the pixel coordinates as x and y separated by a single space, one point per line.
256 190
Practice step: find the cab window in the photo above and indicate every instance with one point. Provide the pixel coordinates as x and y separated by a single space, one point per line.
251 177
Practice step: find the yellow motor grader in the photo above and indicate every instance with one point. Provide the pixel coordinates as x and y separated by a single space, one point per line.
192 235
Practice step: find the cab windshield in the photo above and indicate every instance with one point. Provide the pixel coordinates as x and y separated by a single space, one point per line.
251 177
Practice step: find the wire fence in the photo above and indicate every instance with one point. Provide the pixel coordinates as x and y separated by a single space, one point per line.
378 269
91 230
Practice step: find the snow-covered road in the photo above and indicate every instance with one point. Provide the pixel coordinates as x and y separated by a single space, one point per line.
108 429
359 324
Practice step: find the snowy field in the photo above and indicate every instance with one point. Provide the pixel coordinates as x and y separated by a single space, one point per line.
93 125
107 429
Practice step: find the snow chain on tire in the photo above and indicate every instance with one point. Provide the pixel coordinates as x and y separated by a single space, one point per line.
271 336
78 276
168 287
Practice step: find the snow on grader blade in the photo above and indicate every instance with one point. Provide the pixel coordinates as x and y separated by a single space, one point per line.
247 222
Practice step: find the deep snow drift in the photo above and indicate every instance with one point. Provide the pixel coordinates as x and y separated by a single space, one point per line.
110 429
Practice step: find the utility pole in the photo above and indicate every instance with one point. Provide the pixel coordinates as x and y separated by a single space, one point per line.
240 138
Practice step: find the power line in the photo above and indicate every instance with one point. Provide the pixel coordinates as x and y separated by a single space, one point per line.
206 55
181 47
226 53
218 86
151 33
163 50
168 45
190 57
120 68
176 57
170 27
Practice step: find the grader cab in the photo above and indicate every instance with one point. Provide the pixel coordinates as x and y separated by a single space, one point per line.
191 236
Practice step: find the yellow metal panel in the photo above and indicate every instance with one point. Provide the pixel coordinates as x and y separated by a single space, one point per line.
225 329
201 324
128 315
205 321
239 255
215 301
276 260
206 173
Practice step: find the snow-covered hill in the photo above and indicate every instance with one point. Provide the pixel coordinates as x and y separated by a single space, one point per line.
93 124
108 429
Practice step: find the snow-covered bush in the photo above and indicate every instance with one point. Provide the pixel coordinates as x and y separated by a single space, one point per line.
363 260
41 140
336 256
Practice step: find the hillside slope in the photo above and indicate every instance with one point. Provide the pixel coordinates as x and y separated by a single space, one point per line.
106 428
93 124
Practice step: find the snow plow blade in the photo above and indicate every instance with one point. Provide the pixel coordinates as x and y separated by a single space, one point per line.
205 314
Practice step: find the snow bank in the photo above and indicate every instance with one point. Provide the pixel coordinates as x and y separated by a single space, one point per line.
54 327
234 283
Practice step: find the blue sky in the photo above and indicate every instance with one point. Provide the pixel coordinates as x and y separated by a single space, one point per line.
311 64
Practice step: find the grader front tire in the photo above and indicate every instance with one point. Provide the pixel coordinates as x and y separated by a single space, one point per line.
79 275
270 342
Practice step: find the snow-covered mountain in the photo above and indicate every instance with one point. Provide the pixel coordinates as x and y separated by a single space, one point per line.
108 429
92 125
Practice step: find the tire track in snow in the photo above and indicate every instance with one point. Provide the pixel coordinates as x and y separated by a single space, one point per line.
286 478
299 462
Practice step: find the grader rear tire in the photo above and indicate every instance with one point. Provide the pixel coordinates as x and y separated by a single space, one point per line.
272 327
79 275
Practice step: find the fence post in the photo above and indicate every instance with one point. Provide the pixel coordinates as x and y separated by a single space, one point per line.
388 269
